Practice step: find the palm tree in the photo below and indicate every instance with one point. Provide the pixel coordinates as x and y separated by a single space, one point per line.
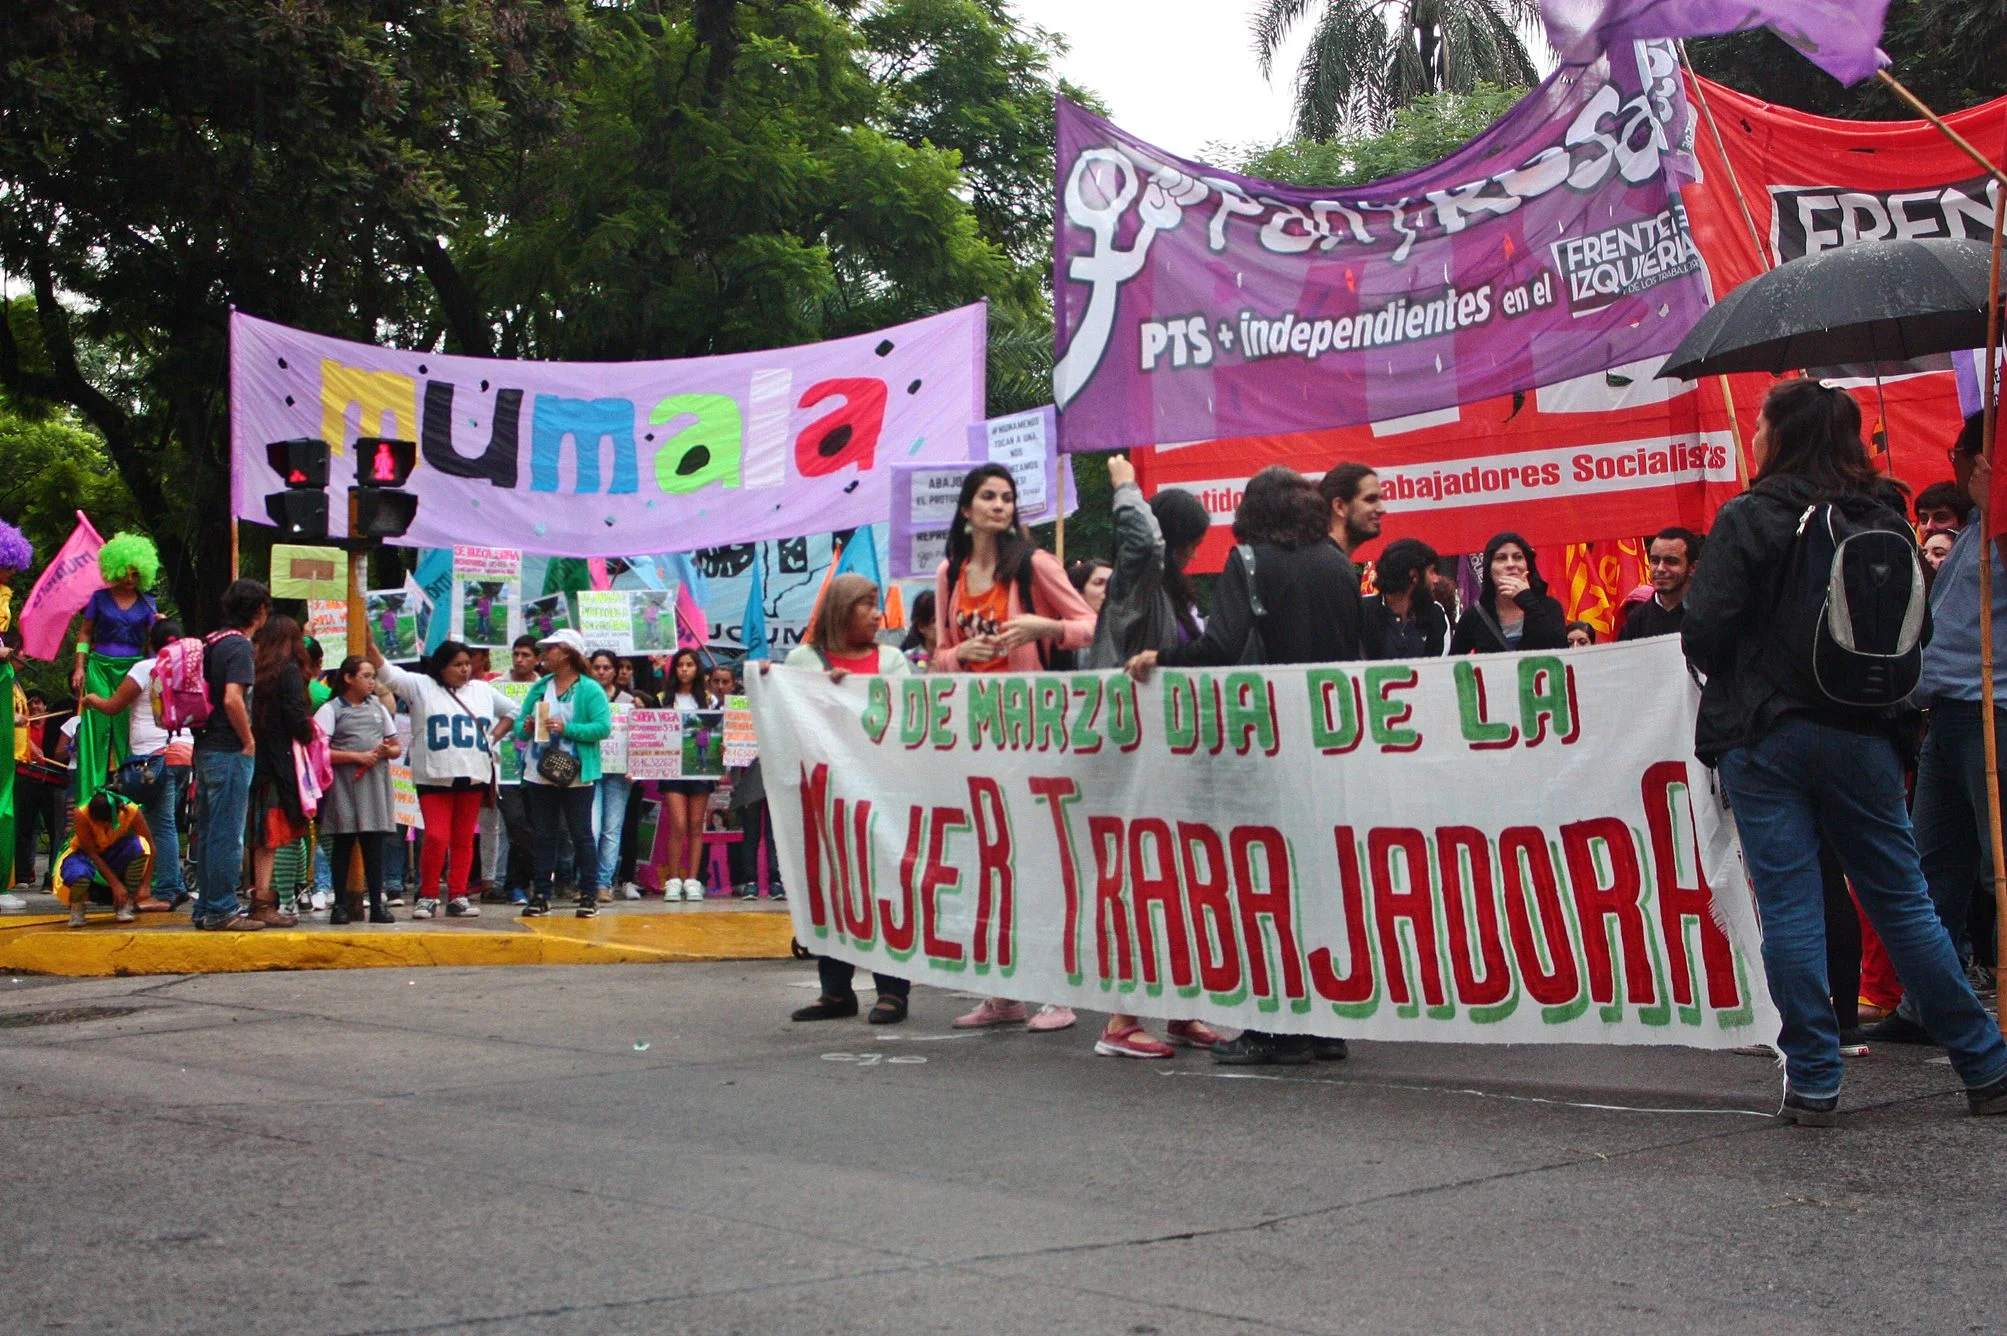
1368 58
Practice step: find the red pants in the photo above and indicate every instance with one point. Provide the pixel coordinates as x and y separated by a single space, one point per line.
452 819
1879 985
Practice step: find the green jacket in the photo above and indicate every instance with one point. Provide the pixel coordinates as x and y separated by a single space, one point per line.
590 724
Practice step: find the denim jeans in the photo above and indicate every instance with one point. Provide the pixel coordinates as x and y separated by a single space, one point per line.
223 788
609 818
553 809
161 816
1952 838
323 869
1805 780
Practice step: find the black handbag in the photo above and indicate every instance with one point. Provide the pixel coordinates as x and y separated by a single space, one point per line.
140 779
558 767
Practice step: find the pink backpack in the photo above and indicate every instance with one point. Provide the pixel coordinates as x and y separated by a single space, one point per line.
181 689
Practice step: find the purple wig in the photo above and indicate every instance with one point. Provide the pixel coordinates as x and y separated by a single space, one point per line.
16 552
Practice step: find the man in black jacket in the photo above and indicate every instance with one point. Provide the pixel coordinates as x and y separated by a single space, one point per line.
1673 555
1403 619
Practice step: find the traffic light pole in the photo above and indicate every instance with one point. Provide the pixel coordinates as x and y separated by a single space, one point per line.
358 570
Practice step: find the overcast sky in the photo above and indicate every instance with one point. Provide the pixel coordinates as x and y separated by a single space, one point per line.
1179 73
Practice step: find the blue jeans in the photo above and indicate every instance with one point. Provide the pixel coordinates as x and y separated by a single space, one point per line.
223 789
162 819
1952 838
1806 780
323 869
609 819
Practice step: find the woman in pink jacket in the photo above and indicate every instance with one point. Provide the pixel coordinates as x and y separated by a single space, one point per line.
1002 606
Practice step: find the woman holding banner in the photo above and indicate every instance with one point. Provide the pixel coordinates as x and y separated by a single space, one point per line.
1002 606
1801 770
112 639
843 640
686 801
454 723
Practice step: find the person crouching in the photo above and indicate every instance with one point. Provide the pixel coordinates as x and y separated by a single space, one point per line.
110 840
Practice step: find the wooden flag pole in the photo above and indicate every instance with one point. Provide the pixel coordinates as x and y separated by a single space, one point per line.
1990 413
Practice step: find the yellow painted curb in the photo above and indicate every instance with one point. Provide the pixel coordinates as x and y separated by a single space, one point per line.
49 946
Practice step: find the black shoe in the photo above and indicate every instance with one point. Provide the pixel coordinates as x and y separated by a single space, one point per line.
827 1009
338 914
777 892
538 907
1988 1099
890 1009
1328 1050
1256 1048
378 914
589 909
1810 1112
1896 1028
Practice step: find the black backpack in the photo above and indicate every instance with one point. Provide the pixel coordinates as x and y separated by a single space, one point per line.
1850 612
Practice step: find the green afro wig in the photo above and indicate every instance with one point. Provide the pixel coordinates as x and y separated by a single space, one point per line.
129 552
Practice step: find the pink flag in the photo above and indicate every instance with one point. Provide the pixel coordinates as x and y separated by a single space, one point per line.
596 567
1839 36
692 630
61 593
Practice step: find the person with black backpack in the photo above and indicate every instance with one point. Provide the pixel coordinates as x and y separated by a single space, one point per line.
1807 619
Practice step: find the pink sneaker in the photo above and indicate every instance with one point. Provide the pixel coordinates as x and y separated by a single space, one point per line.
993 1011
1134 1042
1192 1034
1052 1018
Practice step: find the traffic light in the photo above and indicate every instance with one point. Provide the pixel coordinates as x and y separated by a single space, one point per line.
301 511
381 509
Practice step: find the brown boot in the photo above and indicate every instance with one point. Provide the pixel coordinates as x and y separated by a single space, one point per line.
265 909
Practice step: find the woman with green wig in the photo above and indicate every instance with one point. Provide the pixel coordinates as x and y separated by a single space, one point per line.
117 622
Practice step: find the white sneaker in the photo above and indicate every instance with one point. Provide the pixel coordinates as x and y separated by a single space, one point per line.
77 914
672 888
11 903
425 908
629 891
319 902
693 889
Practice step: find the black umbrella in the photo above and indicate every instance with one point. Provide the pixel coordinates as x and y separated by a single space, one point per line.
1875 301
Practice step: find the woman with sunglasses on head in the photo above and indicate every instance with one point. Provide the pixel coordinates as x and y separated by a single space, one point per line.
1002 605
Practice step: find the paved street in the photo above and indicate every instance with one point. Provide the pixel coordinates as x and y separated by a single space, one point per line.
655 1148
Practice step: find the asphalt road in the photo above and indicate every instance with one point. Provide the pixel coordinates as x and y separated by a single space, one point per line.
657 1149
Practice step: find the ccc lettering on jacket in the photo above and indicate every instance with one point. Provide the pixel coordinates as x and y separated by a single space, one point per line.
446 732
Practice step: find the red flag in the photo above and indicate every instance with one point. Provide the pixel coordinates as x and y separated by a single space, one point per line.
61 593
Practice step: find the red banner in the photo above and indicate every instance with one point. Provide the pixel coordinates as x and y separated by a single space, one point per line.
1620 454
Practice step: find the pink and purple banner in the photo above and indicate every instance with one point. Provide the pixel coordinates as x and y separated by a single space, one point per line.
597 459
1841 37
66 584
1193 304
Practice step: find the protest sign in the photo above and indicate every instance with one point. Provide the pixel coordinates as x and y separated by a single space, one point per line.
595 459
509 752
308 572
742 745
488 563
1193 304
651 620
603 619
327 622
702 736
923 506
543 617
1023 444
654 745
489 611
393 620
404 795
1509 849
613 748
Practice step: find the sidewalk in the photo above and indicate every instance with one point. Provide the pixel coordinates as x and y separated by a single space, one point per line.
626 932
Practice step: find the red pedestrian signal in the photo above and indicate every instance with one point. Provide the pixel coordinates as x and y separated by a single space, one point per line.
300 511
382 465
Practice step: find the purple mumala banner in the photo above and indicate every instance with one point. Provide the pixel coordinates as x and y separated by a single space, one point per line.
1840 36
604 459
1193 304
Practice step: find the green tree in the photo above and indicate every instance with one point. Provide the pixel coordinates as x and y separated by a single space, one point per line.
1947 52
1425 131
1369 58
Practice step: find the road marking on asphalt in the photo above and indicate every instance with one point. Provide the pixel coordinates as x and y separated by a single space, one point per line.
871 1059
923 1038
1454 1090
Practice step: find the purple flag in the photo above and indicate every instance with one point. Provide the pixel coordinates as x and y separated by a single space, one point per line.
1841 37
1192 304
